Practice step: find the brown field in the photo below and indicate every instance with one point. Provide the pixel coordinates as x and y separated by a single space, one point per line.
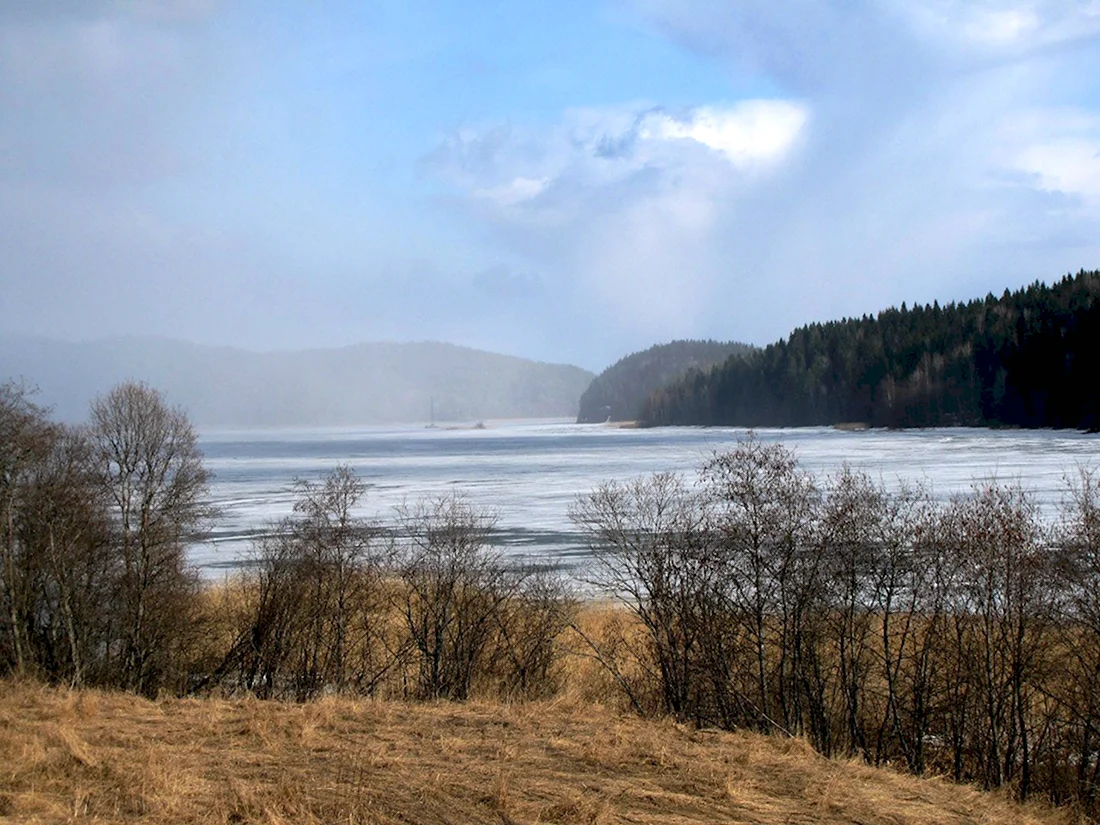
110 757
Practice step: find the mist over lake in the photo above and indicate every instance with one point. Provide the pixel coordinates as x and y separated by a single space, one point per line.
529 472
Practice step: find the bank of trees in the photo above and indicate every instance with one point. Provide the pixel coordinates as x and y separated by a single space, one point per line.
94 583
96 588
958 638
1026 358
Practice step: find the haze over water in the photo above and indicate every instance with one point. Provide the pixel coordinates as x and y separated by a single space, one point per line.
529 472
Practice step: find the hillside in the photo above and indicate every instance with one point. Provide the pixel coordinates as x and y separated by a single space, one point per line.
111 757
365 383
1027 359
617 393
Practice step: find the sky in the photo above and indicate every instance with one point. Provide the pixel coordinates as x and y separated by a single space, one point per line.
567 181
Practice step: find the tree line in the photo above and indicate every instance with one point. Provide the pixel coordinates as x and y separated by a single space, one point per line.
1028 358
958 638
97 590
94 582
425 610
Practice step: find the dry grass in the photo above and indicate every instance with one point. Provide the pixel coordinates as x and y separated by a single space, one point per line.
109 757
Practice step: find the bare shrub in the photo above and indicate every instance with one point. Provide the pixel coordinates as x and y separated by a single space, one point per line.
1005 597
653 552
529 626
1078 694
66 528
26 440
452 588
316 599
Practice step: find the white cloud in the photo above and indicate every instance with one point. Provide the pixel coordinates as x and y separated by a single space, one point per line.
1071 165
514 192
749 133
982 27
527 169
906 150
624 203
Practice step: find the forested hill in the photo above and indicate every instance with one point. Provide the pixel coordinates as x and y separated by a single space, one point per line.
1030 358
361 384
617 393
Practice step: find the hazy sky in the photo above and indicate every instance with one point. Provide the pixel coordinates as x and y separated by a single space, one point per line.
569 181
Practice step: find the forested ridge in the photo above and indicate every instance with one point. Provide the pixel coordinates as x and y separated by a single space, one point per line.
617 393
1029 358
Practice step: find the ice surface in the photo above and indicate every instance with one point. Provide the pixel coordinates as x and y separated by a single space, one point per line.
528 473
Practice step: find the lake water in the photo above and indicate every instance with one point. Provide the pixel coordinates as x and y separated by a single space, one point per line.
529 472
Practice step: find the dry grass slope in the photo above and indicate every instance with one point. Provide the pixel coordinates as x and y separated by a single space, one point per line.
110 757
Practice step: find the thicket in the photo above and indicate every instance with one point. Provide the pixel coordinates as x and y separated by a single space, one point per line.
333 603
958 638
94 583
1028 358
96 588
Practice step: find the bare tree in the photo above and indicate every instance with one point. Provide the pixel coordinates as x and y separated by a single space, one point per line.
529 625
452 589
914 574
67 526
26 438
765 510
151 468
334 547
653 552
1079 692
1005 604
316 599
851 529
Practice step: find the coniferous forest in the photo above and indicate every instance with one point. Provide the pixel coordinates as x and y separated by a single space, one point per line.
1030 358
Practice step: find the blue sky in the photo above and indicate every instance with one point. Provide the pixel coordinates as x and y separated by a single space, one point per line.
569 181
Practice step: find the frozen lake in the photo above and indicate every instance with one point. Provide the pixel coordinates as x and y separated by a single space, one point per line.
529 472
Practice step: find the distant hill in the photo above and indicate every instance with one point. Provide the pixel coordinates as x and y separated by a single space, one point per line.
361 384
1030 358
617 393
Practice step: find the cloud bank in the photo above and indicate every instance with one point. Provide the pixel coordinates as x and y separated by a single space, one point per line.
915 151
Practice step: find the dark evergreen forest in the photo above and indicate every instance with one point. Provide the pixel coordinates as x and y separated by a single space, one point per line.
1030 358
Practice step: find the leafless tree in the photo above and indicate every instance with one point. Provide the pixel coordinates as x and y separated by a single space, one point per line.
152 470
315 598
1006 587
765 509
1079 692
452 587
529 625
916 572
67 526
26 438
654 553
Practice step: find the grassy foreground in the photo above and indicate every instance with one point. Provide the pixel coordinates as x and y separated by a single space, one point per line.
111 757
